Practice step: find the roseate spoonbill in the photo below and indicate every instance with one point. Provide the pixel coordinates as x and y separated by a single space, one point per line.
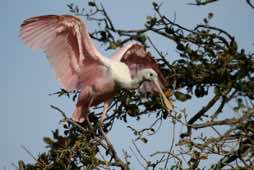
79 66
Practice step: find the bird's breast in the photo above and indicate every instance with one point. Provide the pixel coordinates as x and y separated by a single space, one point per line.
121 74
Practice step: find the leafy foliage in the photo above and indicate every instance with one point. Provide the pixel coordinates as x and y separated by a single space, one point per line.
209 65
206 2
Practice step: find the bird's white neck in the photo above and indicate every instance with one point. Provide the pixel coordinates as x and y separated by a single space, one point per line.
136 81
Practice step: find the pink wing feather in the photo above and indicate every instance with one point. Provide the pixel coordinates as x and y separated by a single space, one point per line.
135 56
66 42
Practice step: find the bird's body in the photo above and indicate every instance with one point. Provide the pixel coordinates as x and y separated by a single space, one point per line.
79 66
120 73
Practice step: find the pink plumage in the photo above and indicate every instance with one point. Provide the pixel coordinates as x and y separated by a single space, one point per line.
79 66
63 40
135 56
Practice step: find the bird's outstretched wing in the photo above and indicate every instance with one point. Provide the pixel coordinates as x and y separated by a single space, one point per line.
66 42
135 56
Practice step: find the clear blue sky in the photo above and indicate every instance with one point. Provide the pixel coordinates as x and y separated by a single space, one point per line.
27 79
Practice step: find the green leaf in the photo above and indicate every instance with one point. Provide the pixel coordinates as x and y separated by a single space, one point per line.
169 30
91 3
70 6
144 140
181 96
141 38
173 167
113 45
132 109
180 47
48 140
210 15
200 91
155 4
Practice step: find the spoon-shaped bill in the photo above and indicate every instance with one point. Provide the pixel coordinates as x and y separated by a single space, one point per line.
166 103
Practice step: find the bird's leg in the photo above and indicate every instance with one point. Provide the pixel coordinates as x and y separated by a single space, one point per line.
92 97
105 109
89 104
103 115
85 100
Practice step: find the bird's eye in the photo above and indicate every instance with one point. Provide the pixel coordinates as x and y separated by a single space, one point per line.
150 74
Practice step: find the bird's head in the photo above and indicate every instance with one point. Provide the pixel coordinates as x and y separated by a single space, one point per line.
151 75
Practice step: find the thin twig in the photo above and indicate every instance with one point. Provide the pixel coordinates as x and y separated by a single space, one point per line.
171 147
28 152
159 53
68 119
141 164
139 152
112 149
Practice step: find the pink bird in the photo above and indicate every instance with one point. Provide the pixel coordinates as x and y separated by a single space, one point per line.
79 66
